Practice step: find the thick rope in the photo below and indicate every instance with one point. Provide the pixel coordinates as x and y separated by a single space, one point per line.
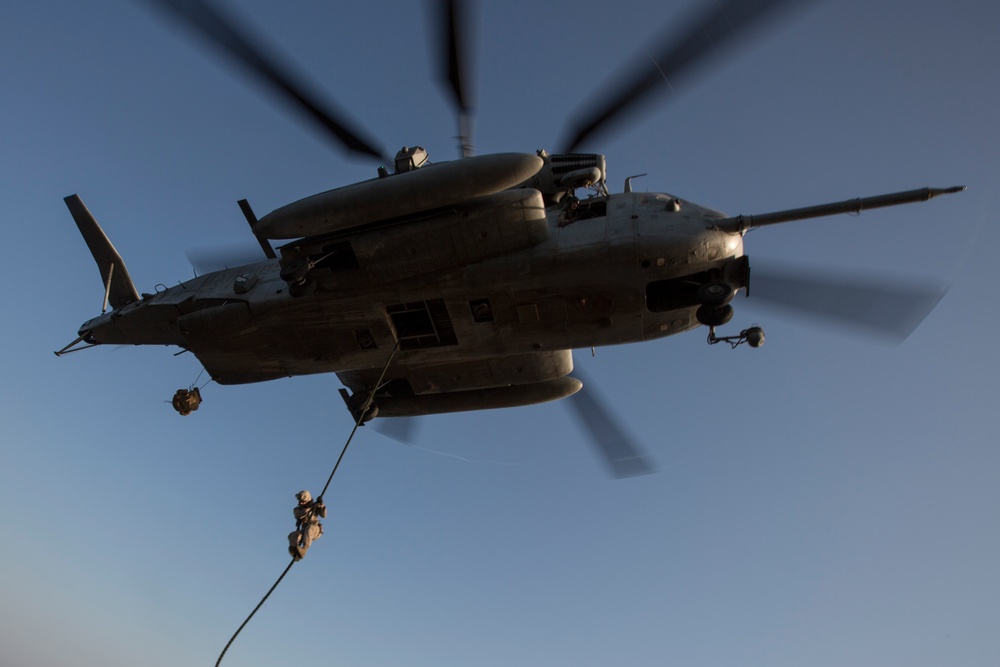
259 604
361 416
368 402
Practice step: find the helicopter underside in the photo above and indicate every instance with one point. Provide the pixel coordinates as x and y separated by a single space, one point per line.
456 339
493 350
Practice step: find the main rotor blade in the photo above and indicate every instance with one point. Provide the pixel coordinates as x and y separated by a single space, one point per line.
454 36
707 33
877 306
217 258
623 457
224 32
400 429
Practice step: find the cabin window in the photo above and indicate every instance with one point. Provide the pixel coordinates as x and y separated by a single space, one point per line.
422 324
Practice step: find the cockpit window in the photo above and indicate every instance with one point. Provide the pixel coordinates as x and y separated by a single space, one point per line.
574 210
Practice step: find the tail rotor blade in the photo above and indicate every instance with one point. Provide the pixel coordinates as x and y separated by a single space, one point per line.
222 31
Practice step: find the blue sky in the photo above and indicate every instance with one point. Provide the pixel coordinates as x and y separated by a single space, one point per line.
825 500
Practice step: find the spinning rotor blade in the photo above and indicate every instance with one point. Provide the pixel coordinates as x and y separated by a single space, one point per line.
207 260
708 33
880 307
225 33
454 34
623 457
400 429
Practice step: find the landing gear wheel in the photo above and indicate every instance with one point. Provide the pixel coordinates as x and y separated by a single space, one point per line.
301 288
715 294
356 405
356 402
371 414
295 270
714 316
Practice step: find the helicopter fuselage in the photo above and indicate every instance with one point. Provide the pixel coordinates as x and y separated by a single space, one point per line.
620 269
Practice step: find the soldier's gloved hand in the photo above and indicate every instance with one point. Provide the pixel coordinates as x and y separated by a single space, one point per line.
319 501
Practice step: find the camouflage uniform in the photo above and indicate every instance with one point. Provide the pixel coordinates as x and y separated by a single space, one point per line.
307 525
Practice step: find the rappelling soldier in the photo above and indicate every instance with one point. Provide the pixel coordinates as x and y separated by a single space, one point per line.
307 526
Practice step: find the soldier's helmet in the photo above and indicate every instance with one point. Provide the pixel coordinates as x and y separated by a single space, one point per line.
304 496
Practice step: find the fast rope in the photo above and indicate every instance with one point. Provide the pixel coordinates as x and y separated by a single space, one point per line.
357 423
259 605
361 416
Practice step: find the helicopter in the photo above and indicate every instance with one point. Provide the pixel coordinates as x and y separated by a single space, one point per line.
465 285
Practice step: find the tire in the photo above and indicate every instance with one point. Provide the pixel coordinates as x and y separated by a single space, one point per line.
295 271
715 294
356 402
714 316
302 288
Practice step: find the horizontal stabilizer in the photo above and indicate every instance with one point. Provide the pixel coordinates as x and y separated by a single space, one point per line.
118 288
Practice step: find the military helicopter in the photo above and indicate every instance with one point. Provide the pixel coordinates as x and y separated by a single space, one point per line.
465 285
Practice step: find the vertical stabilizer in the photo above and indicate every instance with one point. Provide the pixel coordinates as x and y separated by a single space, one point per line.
118 288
